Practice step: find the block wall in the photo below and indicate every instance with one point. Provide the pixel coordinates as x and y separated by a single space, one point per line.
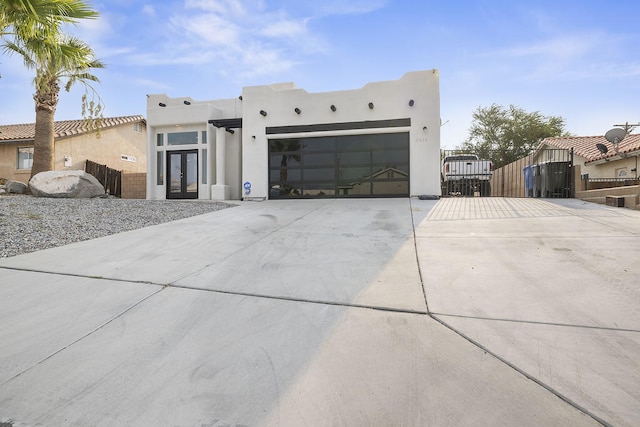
134 185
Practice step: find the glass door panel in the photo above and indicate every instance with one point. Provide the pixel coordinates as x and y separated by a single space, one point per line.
175 173
182 170
191 180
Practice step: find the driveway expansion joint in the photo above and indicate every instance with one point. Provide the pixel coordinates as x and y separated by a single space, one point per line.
77 340
522 372
415 250
82 276
534 322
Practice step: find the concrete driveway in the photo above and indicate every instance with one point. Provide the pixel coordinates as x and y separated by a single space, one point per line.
332 312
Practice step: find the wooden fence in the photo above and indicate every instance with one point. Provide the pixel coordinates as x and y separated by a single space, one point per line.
110 179
509 180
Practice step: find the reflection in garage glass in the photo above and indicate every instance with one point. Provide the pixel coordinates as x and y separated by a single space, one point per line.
340 166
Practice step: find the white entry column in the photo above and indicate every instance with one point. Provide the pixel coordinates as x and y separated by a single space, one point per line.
220 191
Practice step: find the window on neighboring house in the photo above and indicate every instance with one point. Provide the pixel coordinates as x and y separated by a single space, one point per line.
137 127
25 157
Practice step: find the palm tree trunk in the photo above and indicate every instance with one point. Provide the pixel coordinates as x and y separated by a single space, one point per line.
43 143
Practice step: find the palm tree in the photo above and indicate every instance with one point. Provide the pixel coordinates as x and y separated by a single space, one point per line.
54 60
35 29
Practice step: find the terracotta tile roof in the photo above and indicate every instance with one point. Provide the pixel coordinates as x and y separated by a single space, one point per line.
585 146
63 128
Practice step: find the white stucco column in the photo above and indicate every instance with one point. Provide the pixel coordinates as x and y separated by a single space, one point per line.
220 191
152 167
221 148
211 157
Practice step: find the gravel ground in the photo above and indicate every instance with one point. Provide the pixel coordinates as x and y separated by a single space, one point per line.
29 224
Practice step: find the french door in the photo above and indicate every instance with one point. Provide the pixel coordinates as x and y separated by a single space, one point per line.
182 171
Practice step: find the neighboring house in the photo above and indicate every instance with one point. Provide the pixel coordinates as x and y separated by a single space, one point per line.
280 141
621 164
121 145
602 173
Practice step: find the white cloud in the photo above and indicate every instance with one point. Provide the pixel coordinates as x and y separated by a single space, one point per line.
257 61
350 7
151 84
149 10
93 30
249 37
222 7
563 47
207 29
566 56
98 34
607 70
285 29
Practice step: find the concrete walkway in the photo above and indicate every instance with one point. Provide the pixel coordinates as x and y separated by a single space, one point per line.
332 312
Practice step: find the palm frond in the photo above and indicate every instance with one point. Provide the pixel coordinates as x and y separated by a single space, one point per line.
30 18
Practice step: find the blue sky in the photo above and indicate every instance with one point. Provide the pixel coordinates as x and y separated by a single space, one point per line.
575 59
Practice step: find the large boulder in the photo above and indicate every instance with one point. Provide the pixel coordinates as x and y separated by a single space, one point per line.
65 184
16 187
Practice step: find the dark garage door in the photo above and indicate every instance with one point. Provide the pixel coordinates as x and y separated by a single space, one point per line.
340 166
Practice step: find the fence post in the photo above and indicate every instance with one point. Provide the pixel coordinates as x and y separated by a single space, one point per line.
572 176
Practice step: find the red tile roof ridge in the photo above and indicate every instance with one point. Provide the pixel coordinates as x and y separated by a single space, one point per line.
62 128
585 146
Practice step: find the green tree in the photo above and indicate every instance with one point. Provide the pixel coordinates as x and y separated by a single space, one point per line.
25 19
36 36
504 135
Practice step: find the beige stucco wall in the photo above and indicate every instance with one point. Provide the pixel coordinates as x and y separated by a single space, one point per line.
616 168
107 150
9 161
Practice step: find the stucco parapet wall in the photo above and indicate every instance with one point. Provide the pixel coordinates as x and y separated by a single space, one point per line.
284 86
412 95
163 110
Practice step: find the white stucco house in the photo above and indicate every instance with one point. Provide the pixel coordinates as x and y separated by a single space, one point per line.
280 141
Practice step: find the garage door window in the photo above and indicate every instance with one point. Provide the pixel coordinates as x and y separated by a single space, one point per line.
342 166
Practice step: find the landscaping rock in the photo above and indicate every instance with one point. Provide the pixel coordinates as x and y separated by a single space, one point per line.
16 187
65 184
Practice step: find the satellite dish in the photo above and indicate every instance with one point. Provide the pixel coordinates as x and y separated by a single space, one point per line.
602 148
615 135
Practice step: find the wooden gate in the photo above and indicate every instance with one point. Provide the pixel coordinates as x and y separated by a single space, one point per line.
110 179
